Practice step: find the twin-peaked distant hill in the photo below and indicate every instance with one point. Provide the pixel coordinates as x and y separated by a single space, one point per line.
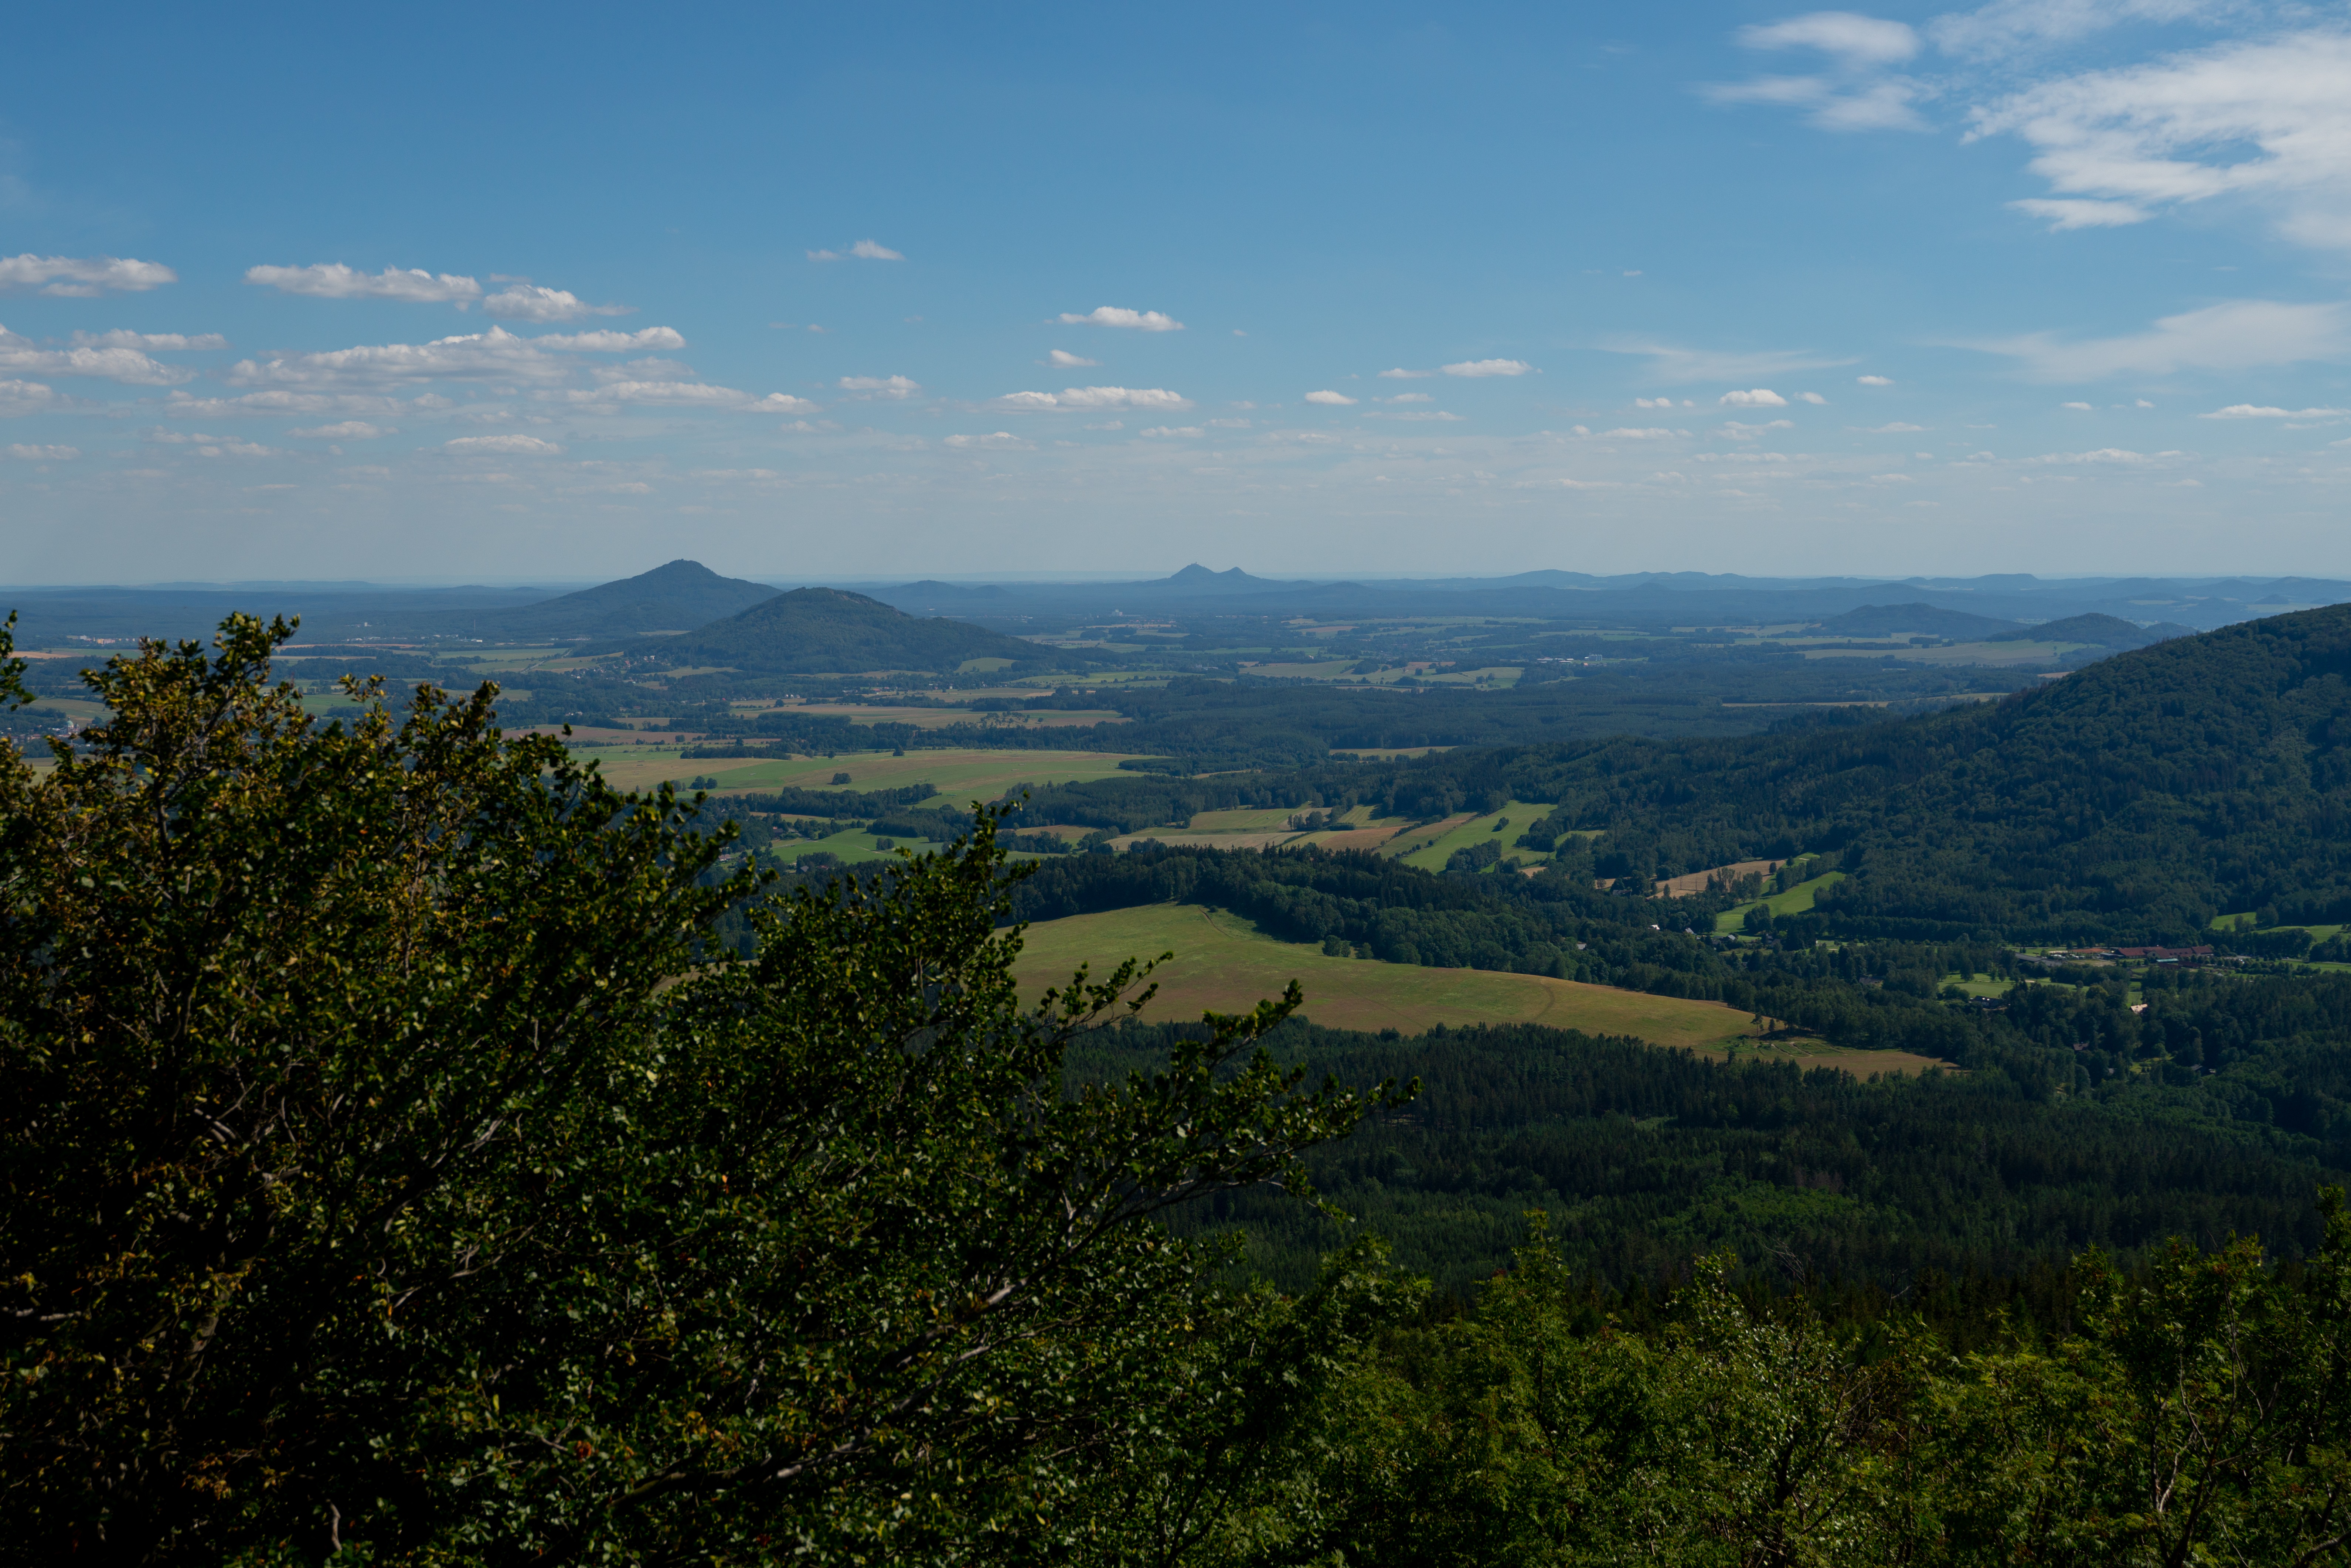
825 631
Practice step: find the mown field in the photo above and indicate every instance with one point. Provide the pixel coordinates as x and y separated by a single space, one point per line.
1224 963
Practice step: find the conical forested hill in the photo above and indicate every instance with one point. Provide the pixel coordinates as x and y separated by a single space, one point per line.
2135 798
672 598
826 631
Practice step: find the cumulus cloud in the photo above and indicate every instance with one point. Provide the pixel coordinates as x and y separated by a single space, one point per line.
1739 432
2237 334
1874 380
1334 400
1401 374
2081 214
1171 430
532 302
1758 397
644 392
502 446
1119 316
1852 38
44 454
863 250
1062 360
348 430
895 389
2257 411
1812 397
1416 416
126 365
993 440
333 280
2106 456
1626 433
1146 399
84 276
1487 368
1406 397
2266 119
608 341
1897 428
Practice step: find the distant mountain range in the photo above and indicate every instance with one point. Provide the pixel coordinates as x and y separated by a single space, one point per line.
685 596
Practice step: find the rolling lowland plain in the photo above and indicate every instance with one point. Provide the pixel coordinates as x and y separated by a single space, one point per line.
1799 917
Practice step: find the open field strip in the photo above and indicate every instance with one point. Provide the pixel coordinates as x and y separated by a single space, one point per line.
1224 963
1430 853
1996 654
860 714
1794 901
961 774
1695 881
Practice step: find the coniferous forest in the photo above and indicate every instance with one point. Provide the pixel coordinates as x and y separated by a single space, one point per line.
417 1151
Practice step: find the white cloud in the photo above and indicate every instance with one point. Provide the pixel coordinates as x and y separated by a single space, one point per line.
1657 402
1626 433
44 454
1421 415
1759 397
1855 39
1741 432
2064 214
531 302
2081 407
1487 368
1672 364
212 445
1118 316
2255 410
2235 335
1335 400
83 276
2007 26
1401 374
496 355
1151 399
2268 119
863 250
1062 360
1858 94
1874 380
896 389
279 404
1898 428
610 342
349 430
1813 397
1171 430
502 446
128 366
1228 424
1406 397
995 441
154 342
333 280
1893 478
784 402
2104 455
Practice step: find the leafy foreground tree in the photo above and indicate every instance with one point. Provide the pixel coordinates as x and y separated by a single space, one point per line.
2201 1413
394 1171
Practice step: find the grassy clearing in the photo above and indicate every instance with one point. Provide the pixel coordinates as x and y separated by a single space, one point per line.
1978 985
1223 962
975 775
1429 851
1796 900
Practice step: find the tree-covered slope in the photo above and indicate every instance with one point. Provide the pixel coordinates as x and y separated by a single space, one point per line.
824 630
2136 798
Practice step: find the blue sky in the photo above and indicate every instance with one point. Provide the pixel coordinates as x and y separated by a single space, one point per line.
897 291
